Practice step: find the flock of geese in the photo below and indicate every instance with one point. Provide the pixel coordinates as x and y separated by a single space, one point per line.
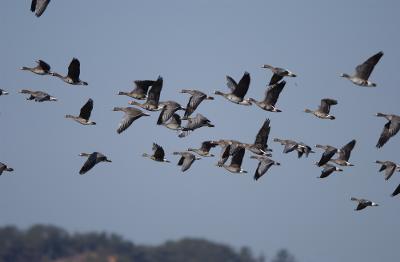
149 92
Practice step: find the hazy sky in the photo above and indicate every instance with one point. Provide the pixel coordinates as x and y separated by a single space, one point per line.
194 45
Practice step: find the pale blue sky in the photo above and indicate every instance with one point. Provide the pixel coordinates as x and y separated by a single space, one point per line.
194 45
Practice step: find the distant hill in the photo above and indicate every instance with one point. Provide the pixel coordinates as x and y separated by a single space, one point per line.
50 243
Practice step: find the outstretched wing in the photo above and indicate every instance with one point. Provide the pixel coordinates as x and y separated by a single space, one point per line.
74 69
193 103
326 104
242 86
154 92
158 151
237 157
86 109
364 70
326 156
90 162
390 129
45 66
345 151
125 123
263 133
273 92
275 79
231 83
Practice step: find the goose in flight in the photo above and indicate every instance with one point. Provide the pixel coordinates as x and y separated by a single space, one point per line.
271 97
344 154
38 96
194 123
238 90
84 114
328 169
4 167
363 203
3 92
290 145
228 147
390 129
74 71
278 74
42 68
260 146
158 154
140 90
324 108
236 161
205 148
329 152
263 165
153 97
363 71
196 97
93 159
303 149
131 114
389 167
186 160
39 6
168 110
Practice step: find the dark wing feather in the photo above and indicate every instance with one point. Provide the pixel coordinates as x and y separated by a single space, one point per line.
396 191
180 162
86 109
242 86
187 163
33 5
90 162
154 93
193 103
273 92
158 152
390 129
74 69
275 79
41 6
237 157
361 206
389 171
45 66
328 169
326 104
364 70
142 86
263 133
326 156
262 168
224 155
289 147
231 83
346 150
207 145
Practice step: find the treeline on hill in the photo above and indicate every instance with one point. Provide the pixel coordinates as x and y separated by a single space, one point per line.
50 243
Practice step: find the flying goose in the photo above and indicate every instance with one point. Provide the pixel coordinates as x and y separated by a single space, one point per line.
396 191
303 149
279 73
271 97
363 71
4 167
131 114
324 108
363 203
140 90
194 123
158 154
39 6
186 160
329 152
264 164
196 97
390 129
38 96
389 167
204 149
168 109
328 169
84 114
236 161
228 148
153 97
93 159
42 68
238 90
174 123
3 92
290 145
74 71
344 154
260 146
